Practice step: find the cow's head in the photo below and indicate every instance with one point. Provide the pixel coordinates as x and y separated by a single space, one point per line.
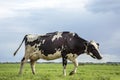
93 50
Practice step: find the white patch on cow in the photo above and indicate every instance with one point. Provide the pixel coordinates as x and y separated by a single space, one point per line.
55 48
62 47
95 45
64 72
58 49
70 39
91 54
29 51
57 36
43 41
73 34
72 57
32 52
53 56
32 37
39 44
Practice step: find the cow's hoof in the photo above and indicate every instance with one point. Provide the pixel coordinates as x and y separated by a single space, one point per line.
33 73
71 73
19 73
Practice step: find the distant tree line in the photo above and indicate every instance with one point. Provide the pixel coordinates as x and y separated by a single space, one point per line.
80 63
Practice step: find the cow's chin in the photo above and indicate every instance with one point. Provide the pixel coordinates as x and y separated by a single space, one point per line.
93 56
99 58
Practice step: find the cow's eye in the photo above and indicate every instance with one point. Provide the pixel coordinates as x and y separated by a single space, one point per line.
93 47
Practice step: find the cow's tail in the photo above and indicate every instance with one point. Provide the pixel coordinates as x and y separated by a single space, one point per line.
20 45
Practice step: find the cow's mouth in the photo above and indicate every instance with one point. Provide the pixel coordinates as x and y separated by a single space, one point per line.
93 56
96 57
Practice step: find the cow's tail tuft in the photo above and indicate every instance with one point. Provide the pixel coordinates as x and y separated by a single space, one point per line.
20 45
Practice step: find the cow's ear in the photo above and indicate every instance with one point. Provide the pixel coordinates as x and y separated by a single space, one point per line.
98 44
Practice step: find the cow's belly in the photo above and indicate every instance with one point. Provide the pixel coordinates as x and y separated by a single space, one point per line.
35 54
56 55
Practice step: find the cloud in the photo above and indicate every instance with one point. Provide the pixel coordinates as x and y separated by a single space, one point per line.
112 45
104 6
12 8
110 58
43 4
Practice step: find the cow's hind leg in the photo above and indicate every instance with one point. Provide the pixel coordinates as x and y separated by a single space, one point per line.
75 62
22 64
32 63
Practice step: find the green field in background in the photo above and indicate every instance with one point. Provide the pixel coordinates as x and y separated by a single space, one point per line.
53 71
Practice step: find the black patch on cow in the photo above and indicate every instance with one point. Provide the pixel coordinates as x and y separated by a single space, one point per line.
23 59
66 32
32 43
64 58
50 47
75 45
35 46
52 33
46 47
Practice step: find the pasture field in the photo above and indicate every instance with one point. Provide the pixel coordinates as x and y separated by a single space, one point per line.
53 71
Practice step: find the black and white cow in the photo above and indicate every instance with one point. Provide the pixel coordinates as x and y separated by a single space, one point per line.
55 45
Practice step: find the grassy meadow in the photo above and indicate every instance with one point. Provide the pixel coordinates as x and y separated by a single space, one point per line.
53 71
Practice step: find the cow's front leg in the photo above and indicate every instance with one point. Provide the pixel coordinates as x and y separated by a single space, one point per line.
64 58
32 63
75 62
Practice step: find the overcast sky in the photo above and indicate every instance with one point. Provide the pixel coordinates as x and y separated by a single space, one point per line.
97 20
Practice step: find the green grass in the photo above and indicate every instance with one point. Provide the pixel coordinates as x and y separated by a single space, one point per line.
54 72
